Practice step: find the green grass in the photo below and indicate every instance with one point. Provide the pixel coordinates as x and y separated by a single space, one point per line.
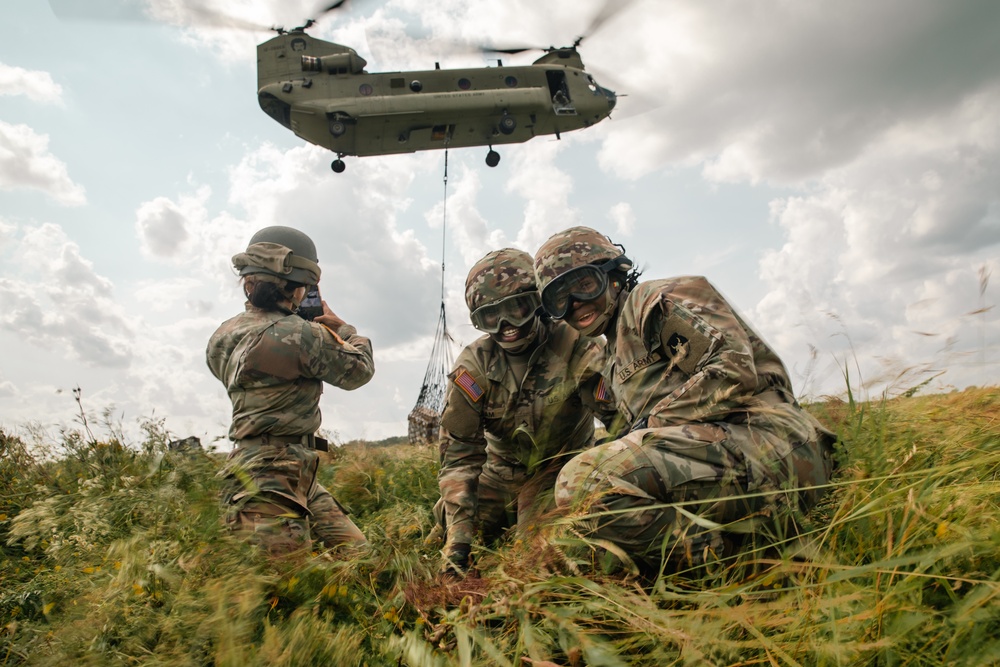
112 554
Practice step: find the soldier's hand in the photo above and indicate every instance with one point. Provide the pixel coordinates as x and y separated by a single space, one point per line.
329 318
456 561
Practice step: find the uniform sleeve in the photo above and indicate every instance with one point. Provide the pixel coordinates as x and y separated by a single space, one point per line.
342 358
715 352
595 392
463 449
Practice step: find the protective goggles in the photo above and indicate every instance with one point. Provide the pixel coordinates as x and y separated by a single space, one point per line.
515 310
582 284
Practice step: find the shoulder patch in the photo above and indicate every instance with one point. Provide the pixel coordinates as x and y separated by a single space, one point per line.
602 394
684 344
468 384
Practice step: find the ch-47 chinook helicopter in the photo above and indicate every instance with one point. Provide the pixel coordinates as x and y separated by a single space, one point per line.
322 92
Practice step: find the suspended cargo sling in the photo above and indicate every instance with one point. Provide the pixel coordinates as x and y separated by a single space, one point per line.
425 419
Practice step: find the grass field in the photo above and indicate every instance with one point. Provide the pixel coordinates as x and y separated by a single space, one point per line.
112 554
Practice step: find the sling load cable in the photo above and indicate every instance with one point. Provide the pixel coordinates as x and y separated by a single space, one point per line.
425 418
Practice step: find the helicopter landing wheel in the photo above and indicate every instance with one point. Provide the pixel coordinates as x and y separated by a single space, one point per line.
492 158
507 124
338 166
338 128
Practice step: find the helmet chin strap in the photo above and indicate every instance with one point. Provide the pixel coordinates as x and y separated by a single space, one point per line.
521 344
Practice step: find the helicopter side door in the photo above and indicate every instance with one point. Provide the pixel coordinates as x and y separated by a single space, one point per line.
562 103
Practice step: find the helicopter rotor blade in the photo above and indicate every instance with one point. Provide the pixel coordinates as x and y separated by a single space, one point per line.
183 13
511 50
203 16
608 10
329 8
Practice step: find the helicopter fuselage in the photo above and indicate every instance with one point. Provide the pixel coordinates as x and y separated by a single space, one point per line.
321 92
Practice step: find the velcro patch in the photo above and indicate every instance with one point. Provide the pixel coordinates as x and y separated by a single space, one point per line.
684 344
602 393
468 384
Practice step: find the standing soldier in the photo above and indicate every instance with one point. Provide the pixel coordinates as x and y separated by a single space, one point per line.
713 417
521 402
273 364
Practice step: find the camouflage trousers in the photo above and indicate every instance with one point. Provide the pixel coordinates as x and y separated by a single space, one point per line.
684 495
509 495
271 496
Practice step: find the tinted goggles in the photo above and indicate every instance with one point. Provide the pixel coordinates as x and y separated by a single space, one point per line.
582 284
515 310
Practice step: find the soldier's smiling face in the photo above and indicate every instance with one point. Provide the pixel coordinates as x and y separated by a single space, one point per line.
511 334
584 313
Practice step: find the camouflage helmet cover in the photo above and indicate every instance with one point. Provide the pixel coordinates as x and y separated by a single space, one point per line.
499 274
571 248
283 252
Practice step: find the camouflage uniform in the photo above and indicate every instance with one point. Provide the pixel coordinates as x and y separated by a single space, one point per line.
273 365
713 418
496 435
503 442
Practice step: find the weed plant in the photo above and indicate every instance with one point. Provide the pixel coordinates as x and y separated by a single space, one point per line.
113 554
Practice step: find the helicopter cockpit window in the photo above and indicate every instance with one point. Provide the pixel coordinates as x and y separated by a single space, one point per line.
511 81
464 83
594 88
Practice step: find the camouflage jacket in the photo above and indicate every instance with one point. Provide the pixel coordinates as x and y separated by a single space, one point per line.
274 365
681 354
551 412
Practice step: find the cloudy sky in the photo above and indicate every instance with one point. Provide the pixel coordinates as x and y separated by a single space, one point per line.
834 168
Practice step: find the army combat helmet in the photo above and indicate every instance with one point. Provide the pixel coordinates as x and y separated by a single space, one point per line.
573 266
280 252
500 290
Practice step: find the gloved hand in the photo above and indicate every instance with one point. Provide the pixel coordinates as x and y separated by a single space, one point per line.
456 559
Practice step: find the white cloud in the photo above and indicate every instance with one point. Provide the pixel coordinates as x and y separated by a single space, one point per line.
882 261
468 229
54 299
36 85
162 224
7 232
623 217
25 162
545 189
781 91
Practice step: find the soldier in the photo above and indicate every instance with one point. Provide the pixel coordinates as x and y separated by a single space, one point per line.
273 364
714 420
521 401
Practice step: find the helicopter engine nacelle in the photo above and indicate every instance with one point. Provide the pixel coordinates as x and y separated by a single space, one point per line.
336 63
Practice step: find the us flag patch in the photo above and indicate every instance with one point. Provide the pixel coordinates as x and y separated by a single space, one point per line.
468 384
601 393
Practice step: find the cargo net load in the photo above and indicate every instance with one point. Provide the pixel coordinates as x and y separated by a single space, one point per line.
425 418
